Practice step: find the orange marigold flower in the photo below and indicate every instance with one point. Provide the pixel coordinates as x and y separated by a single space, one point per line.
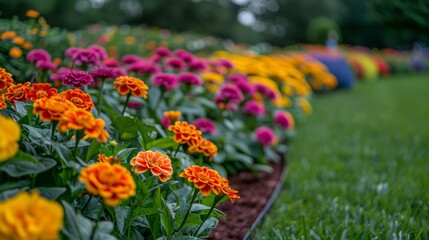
173 116
10 133
204 179
80 98
52 108
184 132
15 52
8 34
135 86
32 13
159 164
228 191
17 93
27 45
40 90
3 104
208 148
30 216
79 119
104 159
5 79
18 40
113 183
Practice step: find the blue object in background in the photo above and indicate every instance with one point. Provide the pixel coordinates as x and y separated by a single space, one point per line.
338 66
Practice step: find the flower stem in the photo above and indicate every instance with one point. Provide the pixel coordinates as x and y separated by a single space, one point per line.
177 149
79 135
100 95
126 103
54 125
215 201
86 204
159 99
188 211
96 223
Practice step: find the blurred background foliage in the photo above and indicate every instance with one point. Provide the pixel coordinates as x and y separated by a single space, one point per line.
371 23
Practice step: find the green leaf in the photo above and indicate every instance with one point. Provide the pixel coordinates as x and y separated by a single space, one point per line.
207 227
192 220
93 149
167 220
126 127
124 153
162 143
157 198
24 164
51 193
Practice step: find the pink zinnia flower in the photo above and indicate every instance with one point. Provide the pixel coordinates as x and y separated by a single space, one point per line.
38 55
165 80
70 52
46 65
190 78
162 52
175 64
225 63
111 63
77 78
205 125
135 105
236 78
197 65
284 119
119 72
103 73
165 122
229 93
59 74
266 91
254 108
265 136
184 55
128 59
86 56
101 52
143 67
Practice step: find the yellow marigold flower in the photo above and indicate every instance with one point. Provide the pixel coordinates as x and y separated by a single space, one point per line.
15 52
228 191
8 34
18 40
184 132
135 86
79 119
5 79
159 164
130 40
3 104
27 45
304 105
17 93
79 98
32 13
212 77
208 148
52 108
173 116
10 133
31 217
204 179
113 183
104 159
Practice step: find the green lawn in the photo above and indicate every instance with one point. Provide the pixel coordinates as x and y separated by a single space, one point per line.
359 166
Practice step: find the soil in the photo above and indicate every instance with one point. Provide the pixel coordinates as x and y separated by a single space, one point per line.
255 191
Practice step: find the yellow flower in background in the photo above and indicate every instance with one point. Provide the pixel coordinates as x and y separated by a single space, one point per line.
130 40
305 105
31 217
3 104
15 52
10 133
32 13
173 116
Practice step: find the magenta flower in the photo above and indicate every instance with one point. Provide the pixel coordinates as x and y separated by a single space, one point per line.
59 74
229 93
165 80
225 63
265 136
119 72
184 55
143 67
254 108
38 55
197 65
284 119
162 52
46 65
236 78
103 73
265 91
86 56
175 63
77 78
101 52
135 105
190 79
111 63
70 52
165 122
205 125
128 59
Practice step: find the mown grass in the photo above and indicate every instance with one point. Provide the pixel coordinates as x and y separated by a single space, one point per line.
359 166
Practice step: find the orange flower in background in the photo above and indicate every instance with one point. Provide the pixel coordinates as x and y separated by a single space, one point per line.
32 13
18 40
40 90
8 34
79 98
228 191
159 164
3 104
111 159
204 179
208 148
113 183
15 52
79 119
27 45
173 116
135 86
5 79
30 216
17 93
10 133
184 132
52 108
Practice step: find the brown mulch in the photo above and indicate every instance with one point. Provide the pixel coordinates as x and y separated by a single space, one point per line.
255 191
